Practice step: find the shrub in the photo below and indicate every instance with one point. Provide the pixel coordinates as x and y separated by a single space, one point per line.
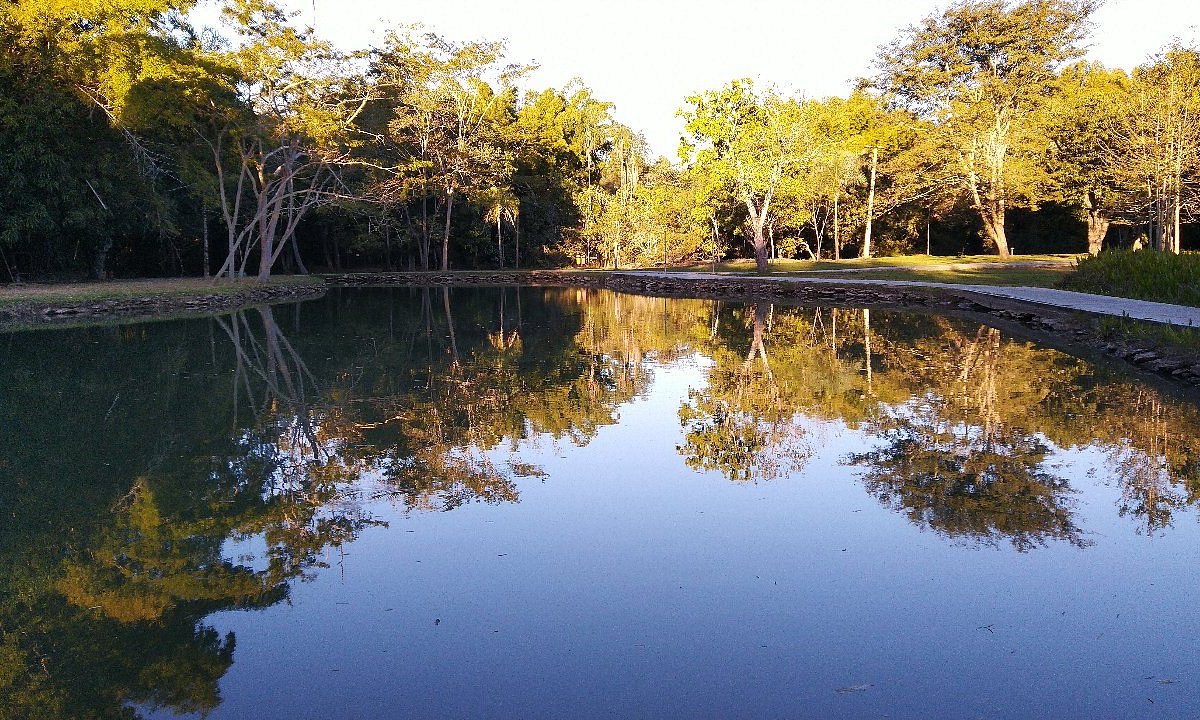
1142 274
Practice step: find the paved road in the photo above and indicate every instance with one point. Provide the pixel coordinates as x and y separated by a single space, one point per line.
1086 302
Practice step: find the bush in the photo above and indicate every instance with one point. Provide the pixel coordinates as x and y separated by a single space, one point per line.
1142 274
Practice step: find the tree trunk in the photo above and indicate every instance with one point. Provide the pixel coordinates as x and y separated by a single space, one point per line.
866 248
1097 223
761 249
266 255
100 261
1097 229
204 230
994 226
1177 239
499 243
837 234
446 233
425 233
296 255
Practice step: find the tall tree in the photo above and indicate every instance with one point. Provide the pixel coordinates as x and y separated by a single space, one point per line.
288 146
1082 125
981 71
751 144
1157 144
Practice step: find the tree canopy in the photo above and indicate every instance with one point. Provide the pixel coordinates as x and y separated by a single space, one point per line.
139 144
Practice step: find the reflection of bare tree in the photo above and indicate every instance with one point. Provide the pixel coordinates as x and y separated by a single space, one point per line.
740 424
273 361
977 380
504 340
300 448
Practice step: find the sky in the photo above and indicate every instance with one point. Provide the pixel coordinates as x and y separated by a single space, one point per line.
646 56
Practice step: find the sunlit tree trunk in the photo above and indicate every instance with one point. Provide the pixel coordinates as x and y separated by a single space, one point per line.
446 233
758 222
1097 223
866 248
837 233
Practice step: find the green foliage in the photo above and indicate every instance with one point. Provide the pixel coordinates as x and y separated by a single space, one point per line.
137 144
981 72
1142 274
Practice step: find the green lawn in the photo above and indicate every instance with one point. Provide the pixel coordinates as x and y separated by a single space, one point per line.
1037 276
903 261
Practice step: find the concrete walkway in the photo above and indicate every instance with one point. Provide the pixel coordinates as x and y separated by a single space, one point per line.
1066 299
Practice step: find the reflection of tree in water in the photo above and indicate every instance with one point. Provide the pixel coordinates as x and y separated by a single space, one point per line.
1154 456
740 423
108 609
117 523
117 619
968 419
960 482
952 462
477 391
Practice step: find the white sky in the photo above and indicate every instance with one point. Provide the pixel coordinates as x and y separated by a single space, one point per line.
647 55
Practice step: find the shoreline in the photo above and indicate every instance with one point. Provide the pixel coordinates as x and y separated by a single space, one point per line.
28 307
1092 336
1076 332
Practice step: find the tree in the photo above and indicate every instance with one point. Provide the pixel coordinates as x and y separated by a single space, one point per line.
289 139
448 103
980 72
1082 120
1157 143
753 145
75 179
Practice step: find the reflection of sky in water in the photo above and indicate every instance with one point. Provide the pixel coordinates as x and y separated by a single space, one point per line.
624 584
941 556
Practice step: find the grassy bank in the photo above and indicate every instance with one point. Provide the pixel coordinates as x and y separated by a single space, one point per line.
39 295
1145 275
878 264
1010 275
1156 335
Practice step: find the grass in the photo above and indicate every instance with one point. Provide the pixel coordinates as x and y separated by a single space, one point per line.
1160 336
1000 275
67 294
1144 274
902 261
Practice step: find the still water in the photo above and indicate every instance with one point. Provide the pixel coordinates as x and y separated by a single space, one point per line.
538 503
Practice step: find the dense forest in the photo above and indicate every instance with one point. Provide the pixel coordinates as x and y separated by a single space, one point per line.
135 143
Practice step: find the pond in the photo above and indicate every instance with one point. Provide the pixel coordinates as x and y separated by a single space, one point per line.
549 503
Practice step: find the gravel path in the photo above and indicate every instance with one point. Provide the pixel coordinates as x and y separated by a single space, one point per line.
1086 302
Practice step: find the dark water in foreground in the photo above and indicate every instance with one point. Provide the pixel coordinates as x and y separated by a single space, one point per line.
560 504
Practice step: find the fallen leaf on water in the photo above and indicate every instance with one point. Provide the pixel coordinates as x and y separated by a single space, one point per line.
854 689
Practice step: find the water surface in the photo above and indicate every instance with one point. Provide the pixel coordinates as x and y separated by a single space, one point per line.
534 503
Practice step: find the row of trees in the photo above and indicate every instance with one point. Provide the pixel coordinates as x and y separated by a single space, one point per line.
141 143
137 143
979 110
